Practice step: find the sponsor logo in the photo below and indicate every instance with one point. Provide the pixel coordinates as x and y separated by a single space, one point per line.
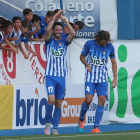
70 110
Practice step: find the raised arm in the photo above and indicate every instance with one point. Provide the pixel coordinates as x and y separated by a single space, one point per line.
50 25
72 32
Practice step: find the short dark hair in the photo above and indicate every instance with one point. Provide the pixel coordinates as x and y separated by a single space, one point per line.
102 35
2 20
56 10
57 23
7 23
26 11
16 18
35 18
50 13
80 24
26 24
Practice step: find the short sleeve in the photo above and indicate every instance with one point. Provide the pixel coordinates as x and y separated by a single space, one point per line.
85 49
112 52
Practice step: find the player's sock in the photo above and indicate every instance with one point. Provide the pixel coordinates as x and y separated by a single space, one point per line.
98 115
84 109
49 112
56 117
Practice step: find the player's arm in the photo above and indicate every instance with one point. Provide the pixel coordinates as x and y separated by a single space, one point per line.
71 36
50 25
114 69
83 60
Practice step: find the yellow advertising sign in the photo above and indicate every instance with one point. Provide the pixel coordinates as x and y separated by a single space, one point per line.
6 106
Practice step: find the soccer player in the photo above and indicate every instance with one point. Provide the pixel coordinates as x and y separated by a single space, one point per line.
95 57
56 69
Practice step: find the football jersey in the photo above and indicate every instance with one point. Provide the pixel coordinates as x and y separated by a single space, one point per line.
56 57
97 58
43 27
14 34
24 39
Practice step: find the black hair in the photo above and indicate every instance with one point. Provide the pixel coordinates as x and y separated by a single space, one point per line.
16 18
26 24
80 24
2 20
50 13
57 23
35 18
56 10
26 11
102 35
7 23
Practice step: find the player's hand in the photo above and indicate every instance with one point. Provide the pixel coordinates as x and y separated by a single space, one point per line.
59 12
89 68
114 83
63 18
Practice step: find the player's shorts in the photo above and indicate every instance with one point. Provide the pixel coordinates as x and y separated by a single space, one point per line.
55 86
101 88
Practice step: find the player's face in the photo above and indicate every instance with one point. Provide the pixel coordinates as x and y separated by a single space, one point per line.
102 42
9 29
25 31
57 32
17 24
76 27
29 16
47 19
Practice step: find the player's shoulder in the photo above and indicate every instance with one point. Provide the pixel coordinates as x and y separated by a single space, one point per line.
90 42
110 45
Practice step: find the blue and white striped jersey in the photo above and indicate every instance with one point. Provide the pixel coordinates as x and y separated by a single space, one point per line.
14 34
97 57
1 37
56 57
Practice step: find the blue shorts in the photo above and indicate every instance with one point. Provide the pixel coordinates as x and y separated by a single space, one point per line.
55 86
101 88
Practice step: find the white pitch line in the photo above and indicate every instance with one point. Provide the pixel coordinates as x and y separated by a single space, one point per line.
58 136
11 5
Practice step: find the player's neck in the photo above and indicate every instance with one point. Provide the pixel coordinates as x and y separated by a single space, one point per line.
16 30
58 39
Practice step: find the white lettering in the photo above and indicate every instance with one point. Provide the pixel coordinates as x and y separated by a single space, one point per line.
39 7
70 7
79 4
89 6
88 20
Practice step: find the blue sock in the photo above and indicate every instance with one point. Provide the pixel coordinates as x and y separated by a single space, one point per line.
84 109
49 109
56 117
98 115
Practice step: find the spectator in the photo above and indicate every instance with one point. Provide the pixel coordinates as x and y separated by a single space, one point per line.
25 29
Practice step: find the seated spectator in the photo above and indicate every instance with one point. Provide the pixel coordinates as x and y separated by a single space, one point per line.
25 29
7 28
35 23
44 23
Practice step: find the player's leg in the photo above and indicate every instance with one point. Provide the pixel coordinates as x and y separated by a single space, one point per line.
89 92
102 91
50 87
59 96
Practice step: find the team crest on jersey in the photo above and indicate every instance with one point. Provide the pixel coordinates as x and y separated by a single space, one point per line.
103 52
60 44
